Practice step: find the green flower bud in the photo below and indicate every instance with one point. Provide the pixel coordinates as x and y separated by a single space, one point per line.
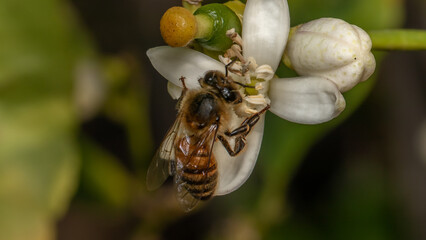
213 22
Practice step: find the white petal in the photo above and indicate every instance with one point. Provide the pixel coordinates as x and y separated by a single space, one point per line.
234 171
173 63
308 100
265 30
174 90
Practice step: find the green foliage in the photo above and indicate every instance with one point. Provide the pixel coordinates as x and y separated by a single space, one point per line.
103 179
44 155
285 143
39 161
367 14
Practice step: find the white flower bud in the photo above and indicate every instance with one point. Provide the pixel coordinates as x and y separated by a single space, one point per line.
333 49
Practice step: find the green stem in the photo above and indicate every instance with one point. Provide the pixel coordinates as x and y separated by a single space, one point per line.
205 26
220 19
398 39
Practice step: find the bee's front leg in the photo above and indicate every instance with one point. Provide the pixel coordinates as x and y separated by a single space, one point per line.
183 93
247 124
240 143
182 79
240 133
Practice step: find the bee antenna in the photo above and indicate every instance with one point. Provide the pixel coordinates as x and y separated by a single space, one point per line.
243 85
228 66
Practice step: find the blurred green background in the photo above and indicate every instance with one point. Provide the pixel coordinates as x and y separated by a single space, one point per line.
82 112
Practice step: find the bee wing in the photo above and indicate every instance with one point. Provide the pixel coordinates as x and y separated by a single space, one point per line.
161 166
186 199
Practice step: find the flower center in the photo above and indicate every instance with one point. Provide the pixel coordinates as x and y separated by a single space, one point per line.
247 72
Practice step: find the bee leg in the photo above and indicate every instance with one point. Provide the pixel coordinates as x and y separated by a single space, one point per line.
244 129
184 90
240 143
241 132
246 126
182 79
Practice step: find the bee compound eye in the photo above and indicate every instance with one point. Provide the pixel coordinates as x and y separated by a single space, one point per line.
210 78
228 95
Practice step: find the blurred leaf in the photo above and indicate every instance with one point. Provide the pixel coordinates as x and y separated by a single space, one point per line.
285 143
103 177
367 14
362 206
38 159
127 104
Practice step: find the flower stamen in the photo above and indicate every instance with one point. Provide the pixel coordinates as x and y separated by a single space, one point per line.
252 74
236 49
264 72
234 36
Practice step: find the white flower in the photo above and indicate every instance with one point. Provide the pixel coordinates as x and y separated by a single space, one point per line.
333 49
308 100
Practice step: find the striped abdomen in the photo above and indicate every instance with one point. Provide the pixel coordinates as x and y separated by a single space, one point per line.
198 169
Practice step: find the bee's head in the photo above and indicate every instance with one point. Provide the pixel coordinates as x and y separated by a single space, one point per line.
220 84
214 79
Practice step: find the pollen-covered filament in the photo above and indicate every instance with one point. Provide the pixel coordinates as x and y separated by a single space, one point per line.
247 72
256 79
264 72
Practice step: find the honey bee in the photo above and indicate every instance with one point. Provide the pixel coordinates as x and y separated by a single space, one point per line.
186 152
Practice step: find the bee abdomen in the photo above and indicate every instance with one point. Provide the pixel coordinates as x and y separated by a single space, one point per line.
201 185
198 169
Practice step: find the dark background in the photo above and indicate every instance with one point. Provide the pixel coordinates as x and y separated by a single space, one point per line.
377 146
74 148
